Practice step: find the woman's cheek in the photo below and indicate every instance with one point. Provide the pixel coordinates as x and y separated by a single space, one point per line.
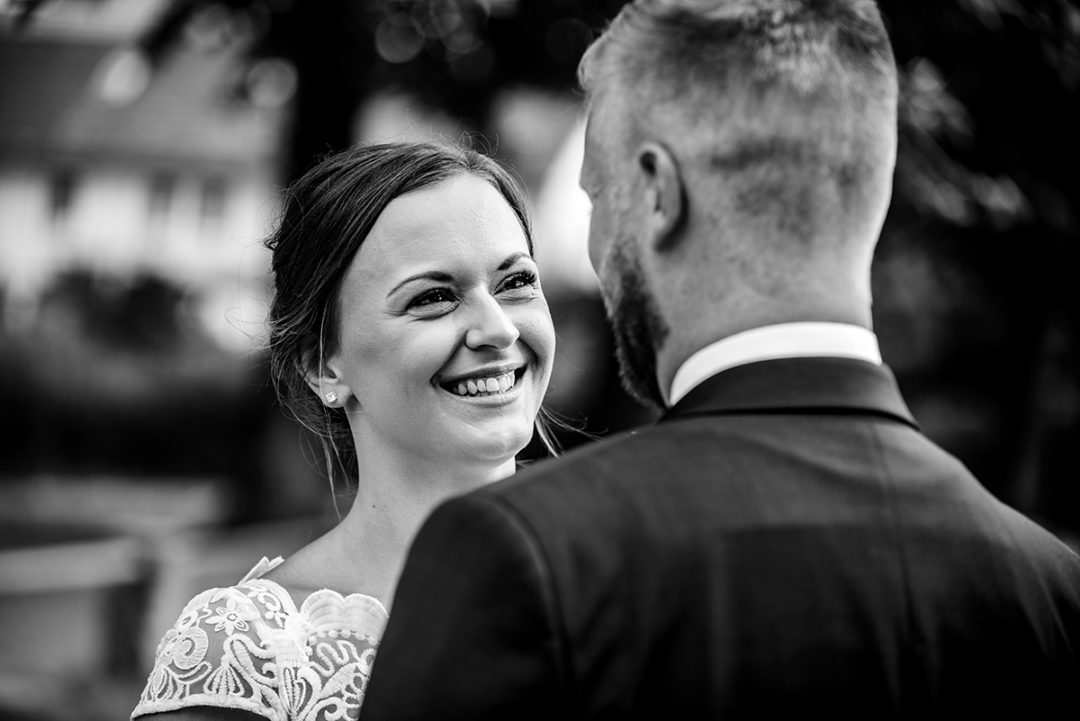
538 334
541 326
432 345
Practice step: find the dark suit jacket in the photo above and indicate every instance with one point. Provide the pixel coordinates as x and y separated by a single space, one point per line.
784 543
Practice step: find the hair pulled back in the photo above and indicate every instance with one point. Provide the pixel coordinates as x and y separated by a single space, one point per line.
325 218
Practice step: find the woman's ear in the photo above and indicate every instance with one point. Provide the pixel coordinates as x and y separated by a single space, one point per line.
327 384
664 194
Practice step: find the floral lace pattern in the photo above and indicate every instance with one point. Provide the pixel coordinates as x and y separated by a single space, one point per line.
249 647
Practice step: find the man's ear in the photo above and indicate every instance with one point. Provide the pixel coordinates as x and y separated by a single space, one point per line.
327 384
664 194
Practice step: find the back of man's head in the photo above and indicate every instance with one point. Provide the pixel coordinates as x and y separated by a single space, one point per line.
781 115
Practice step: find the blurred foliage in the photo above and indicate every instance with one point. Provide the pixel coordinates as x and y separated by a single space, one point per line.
456 55
138 315
974 303
115 376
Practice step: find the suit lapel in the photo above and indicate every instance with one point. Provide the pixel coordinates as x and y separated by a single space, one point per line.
797 385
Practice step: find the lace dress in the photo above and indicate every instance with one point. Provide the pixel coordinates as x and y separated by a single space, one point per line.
249 647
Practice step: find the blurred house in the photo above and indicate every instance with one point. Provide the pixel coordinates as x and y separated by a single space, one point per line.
125 165
121 164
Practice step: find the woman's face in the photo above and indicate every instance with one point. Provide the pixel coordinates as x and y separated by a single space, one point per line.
446 341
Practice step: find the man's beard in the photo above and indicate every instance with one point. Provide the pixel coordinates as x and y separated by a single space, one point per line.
638 328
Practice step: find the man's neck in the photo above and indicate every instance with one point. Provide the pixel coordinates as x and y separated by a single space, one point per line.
774 342
685 341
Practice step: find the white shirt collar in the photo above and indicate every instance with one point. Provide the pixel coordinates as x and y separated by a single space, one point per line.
783 340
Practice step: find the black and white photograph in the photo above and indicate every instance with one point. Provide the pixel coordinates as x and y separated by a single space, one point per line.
396 360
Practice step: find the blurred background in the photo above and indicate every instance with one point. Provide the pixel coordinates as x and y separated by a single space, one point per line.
143 145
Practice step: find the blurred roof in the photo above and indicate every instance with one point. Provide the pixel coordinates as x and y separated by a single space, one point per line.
69 100
115 20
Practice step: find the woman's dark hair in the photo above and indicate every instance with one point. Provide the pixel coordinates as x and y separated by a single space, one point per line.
327 214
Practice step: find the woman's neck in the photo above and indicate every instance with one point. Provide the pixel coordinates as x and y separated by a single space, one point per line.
394 497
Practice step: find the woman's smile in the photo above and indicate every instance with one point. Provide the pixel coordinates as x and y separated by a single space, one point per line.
497 383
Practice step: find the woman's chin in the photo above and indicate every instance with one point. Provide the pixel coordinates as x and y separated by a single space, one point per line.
494 449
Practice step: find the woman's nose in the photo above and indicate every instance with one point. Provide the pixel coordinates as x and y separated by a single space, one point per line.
490 326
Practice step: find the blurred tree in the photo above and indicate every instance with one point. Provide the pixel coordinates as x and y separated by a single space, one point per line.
325 45
457 55
975 302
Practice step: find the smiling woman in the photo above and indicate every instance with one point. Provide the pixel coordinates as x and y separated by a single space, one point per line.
409 332
442 295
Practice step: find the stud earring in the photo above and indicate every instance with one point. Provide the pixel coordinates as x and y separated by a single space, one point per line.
331 397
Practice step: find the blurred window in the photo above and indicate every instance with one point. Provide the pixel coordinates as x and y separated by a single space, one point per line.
162 188
212 207
62 187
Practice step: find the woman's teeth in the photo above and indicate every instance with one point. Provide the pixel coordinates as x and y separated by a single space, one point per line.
485 386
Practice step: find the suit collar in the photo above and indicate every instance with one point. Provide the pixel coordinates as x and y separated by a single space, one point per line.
772 342
806 385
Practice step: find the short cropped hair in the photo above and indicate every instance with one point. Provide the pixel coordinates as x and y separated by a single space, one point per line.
776 95
327 215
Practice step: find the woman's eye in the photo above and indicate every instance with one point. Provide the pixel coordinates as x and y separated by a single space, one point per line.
435 296
517 281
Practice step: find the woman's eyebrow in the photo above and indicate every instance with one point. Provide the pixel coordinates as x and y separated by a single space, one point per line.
510 260
443 277
436 275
